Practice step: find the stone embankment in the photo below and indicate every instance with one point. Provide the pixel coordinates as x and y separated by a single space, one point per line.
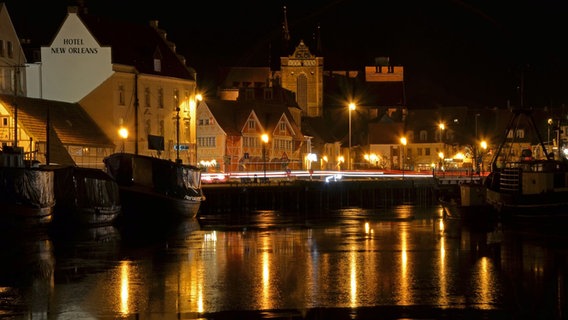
303 196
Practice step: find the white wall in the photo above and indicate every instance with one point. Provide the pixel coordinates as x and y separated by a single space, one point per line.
74 64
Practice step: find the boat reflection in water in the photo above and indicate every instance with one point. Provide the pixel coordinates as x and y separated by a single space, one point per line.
401 262
26 273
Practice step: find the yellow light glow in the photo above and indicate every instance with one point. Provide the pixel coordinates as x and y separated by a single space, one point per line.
483 145
403 141
352 106
264 138
123 132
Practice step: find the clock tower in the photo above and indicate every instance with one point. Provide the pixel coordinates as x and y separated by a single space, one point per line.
302 73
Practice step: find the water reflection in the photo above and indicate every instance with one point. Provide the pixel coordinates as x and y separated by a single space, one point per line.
404 262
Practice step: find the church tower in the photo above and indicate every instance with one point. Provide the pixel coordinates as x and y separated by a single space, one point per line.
302 73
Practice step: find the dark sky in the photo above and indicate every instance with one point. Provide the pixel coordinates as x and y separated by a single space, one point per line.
473 51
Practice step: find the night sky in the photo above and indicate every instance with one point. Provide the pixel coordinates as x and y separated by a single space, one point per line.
468 52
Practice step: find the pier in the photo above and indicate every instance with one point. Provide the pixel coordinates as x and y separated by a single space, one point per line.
317 195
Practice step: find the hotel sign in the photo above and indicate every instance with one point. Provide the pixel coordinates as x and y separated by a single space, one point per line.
73 46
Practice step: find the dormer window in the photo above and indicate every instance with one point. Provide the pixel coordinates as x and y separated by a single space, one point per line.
157 60
157 65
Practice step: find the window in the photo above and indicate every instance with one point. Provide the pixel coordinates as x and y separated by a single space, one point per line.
3 121
2 50
427 151
176 99
419 151
251 124
161 98
520 133
249 94
423 135
282 126
267 94
148 127
121 98
10 49
158 65
147 97
161 128
186 98
210 142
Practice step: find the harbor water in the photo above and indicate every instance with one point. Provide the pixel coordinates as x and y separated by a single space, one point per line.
399 262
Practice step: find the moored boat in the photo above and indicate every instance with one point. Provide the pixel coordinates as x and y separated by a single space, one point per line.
26 193
152 189
470 205
524 186
85 196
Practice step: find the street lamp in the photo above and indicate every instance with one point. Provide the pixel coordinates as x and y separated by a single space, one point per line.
264 139
483 145
442 126
123 133
475 145
403 142
178 160
351 107
549 124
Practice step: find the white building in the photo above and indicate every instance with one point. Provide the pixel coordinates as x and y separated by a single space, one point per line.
125 76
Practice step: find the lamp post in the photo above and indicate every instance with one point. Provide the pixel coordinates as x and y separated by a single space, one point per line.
442 126
123 133
483 145
178 160
264 139
549 124
475 146
351 107
403 142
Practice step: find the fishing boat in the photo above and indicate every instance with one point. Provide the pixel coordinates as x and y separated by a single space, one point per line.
521 184
152 188
27 195
469 204
85 196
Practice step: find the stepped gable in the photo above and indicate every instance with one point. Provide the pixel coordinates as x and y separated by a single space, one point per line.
138 46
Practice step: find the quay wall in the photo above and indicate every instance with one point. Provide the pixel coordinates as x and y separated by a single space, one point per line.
304 196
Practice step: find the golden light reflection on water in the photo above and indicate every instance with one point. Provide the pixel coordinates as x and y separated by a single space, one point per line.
443 283
353 276
124 287
265 263
358 263
483 282
405 292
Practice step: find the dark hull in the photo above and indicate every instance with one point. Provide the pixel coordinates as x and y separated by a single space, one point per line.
529 206
85 196
142 203
454 210
26 197
153 189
